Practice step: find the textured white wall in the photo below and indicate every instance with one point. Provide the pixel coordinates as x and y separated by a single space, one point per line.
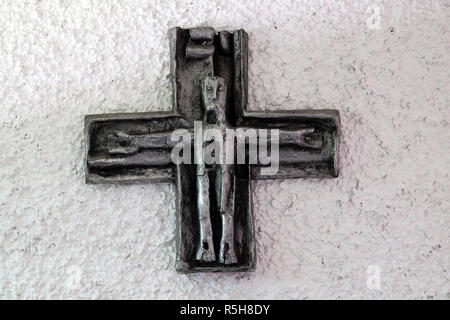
384 65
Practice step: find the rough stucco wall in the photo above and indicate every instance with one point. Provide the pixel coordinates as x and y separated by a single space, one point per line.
385 69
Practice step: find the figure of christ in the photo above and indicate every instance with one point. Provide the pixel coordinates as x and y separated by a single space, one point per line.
214 125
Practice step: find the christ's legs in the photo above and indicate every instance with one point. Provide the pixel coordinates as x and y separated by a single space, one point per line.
225 199
205 247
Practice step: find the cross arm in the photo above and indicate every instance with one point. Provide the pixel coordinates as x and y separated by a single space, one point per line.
308 142
130 147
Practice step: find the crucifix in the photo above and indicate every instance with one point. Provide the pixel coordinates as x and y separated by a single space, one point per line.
214 219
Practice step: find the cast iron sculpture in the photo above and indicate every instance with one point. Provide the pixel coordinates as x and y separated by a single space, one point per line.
215 230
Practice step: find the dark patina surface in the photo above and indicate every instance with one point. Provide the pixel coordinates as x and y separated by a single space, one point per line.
214 221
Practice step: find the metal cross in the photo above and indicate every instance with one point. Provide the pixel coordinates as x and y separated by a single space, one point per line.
214 220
